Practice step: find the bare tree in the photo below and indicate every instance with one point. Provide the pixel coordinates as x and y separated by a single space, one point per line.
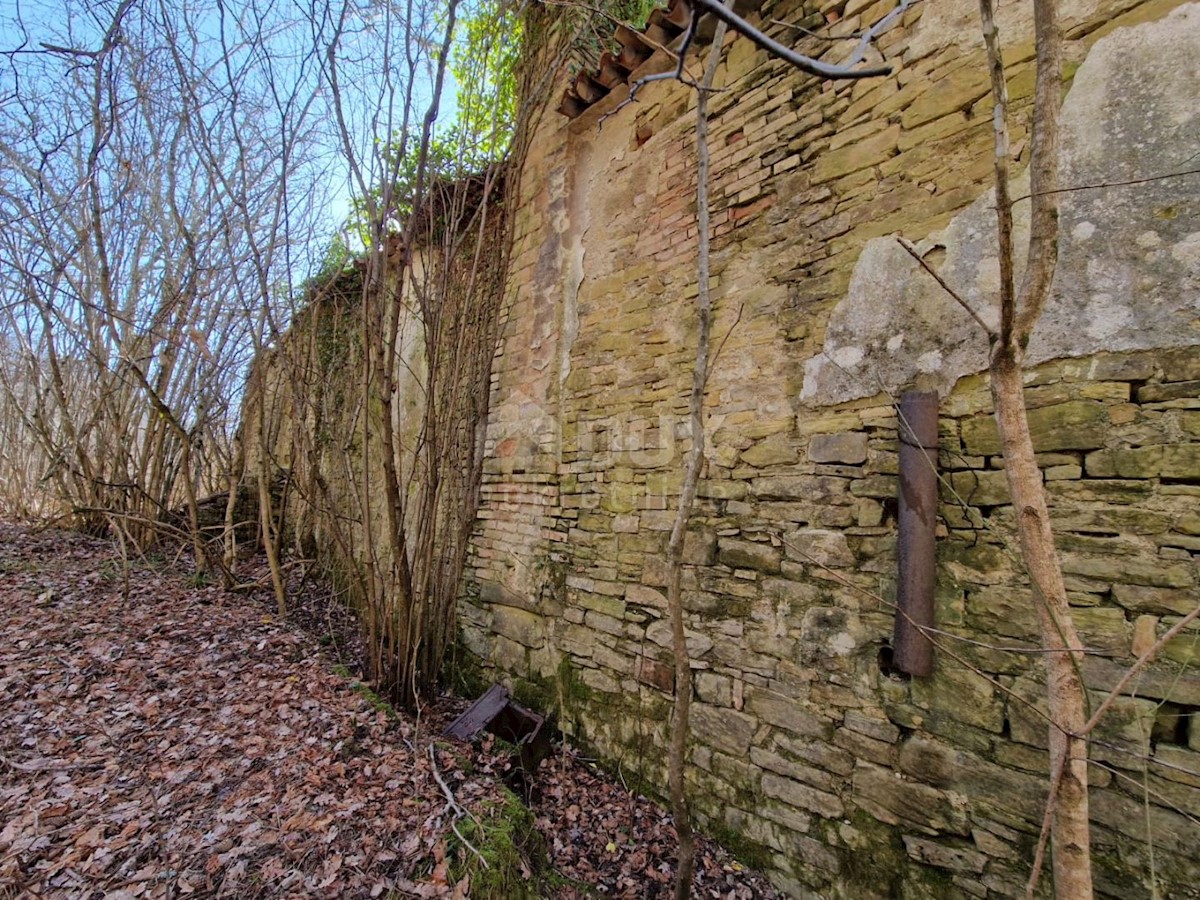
389 473
159 167
1019 313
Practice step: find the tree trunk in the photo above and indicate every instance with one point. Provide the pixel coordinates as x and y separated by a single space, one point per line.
1064 686
677 757
1067 809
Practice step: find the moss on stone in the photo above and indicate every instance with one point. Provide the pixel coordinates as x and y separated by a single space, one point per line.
744 850
463 672
376 702
503 835
877 861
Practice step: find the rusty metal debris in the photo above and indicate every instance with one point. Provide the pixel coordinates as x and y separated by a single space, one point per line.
913 649
497 713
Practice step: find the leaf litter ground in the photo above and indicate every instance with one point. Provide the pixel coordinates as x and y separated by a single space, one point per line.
181 741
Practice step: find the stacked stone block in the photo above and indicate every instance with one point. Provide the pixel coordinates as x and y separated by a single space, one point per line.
821 764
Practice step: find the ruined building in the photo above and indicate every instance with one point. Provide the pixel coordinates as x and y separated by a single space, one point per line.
812 754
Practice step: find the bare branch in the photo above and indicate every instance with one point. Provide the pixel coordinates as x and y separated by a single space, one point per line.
1138 665
799 60
958 298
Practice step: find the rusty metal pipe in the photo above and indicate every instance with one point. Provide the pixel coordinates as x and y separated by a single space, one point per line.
912 651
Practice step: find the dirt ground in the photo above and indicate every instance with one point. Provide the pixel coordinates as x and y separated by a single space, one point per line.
165 738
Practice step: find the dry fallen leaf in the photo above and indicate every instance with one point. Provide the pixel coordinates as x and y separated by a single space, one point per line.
182 741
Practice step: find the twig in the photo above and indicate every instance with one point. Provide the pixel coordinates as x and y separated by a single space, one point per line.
1107 184
800 61
1039 856
958 298
1138 665
453 806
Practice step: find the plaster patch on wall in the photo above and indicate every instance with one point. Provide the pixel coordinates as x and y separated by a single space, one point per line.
1131 113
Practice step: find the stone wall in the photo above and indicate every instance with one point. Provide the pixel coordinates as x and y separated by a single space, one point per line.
842 779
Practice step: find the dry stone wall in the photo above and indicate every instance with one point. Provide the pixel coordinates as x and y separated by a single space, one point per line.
841 778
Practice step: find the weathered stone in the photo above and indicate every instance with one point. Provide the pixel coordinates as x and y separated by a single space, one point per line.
775 450
854 157
509 655
1130 571
610 606
813 488
1123 734
1075 425
790 715
787 816
1181 461
601 622
1103 628
987 488
793 593
782 765
600 681
818 752
818 546
1116 492
697 643
896 801
725 729
721 490
1145 633
1062 473
621 498
748 555
1177 764
878 728
982 564
884 487
960 695
868 513
644 595
827 633
1003 610
1141 462
849 447
699 547
956 859
947 95
1132 818
866 748
1184 648
932 762
518 625
1158 393
494 593
656 674
802 796
1157 683
625 524
714 689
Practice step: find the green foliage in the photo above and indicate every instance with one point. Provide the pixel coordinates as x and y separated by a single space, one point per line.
483 63
596 33
338 256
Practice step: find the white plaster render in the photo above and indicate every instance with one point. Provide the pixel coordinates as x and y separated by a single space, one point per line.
1128 276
